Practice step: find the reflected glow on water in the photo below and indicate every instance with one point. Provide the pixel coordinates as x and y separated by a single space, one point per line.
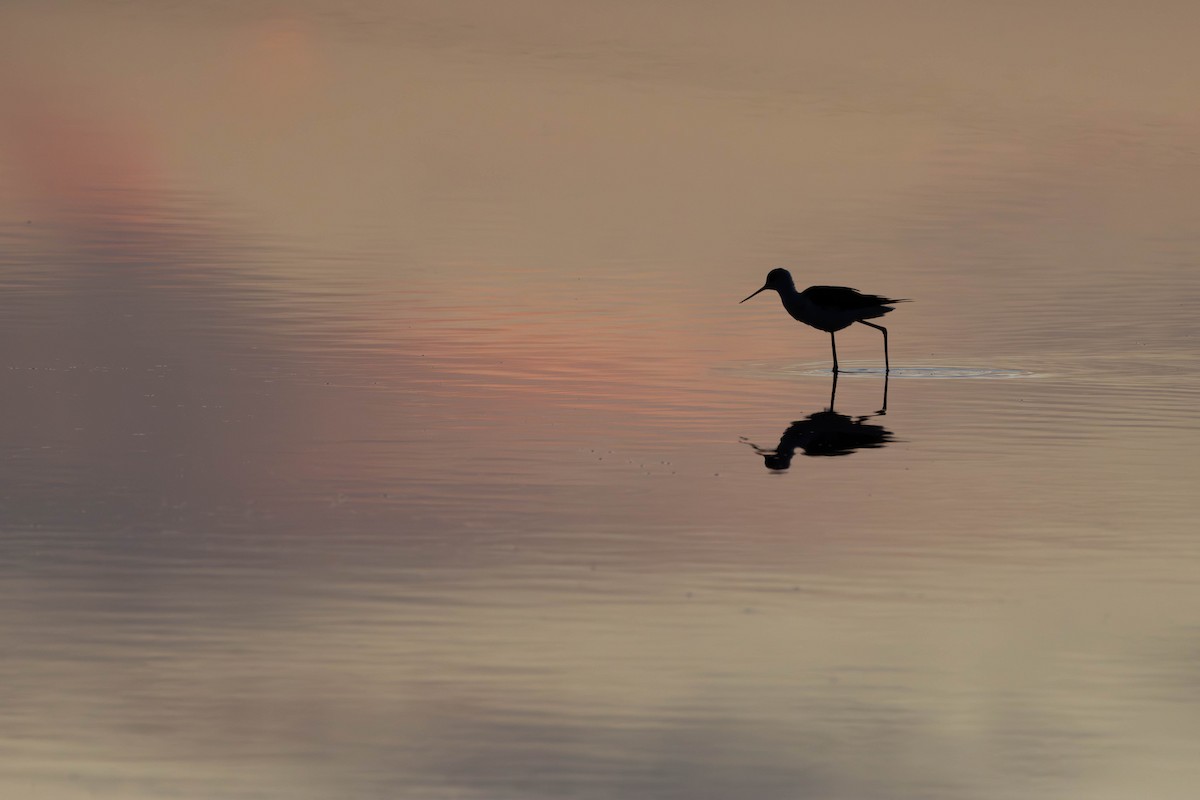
759 369
380 419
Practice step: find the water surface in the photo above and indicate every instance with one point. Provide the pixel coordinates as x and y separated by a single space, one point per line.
380 419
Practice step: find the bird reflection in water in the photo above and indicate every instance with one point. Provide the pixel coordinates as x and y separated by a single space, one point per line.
826 433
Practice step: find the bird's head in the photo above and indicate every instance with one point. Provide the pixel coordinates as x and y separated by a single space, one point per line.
777 279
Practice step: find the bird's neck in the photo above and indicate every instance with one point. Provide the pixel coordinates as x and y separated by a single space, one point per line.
788 291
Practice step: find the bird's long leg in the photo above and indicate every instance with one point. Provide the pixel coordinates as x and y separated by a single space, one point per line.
887 367
833 392
833 341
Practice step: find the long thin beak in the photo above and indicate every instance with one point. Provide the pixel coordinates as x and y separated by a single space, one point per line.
763 289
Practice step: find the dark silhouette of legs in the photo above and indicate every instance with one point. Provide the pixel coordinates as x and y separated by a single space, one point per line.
833 341
887 367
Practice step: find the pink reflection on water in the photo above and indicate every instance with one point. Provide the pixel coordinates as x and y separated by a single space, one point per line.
62 149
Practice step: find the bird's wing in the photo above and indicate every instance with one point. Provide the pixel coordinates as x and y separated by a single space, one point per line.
844 298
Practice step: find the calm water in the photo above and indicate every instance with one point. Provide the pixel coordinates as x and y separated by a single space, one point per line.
380 420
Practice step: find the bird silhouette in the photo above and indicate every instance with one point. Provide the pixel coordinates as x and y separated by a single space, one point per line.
825 433
830 308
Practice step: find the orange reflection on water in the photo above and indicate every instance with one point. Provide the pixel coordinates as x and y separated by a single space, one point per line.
64 151
274 67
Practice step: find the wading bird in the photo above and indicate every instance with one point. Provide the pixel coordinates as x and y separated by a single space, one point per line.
830 308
